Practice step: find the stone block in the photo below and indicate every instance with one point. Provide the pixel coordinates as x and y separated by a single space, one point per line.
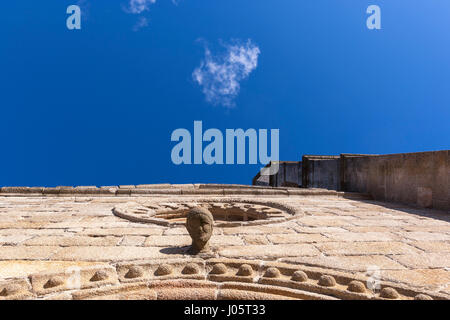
296 238
18 289
26 253
269 251
154 186
122 231
70 241
74 278
120 253
361 248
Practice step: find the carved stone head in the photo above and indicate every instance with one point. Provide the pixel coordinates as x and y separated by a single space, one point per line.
199 224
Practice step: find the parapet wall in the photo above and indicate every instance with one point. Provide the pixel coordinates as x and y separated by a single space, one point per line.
421 179
321 172
289 174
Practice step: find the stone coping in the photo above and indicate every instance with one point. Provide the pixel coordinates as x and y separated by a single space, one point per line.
232 278
172 189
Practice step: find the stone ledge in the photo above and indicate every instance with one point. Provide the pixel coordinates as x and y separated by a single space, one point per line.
169 189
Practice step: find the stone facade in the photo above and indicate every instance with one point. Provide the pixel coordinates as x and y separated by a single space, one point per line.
419 179
71 243
321 172
289 175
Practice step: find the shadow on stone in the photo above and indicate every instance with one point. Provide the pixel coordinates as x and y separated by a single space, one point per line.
422 212
176 250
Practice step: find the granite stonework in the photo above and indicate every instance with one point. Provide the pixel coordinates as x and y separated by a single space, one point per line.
419 179
288 174
266 243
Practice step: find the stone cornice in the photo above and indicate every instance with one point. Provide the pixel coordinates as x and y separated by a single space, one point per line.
170 189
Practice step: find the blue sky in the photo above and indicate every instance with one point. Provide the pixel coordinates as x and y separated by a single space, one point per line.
97 106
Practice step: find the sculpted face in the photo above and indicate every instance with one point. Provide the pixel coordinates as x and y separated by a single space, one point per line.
199 224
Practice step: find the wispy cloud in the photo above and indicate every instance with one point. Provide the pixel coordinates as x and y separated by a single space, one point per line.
220 75
139 6
141 23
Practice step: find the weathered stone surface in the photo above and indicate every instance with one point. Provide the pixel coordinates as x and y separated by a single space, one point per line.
360 229
442 227
184 290
419 277
133 241
179 231
360 248
122 231
362 236
250 291
88 277
376 222
356 286
27 253
15 289
12 223
327 221
319 229
426 236
433 246
413 178
31 232
272 273
299 276
13 239
424 260
255 239
245 270
296 238
232 294
121 253
69 241
167 241
327 281
408 246
354 263
124 292
23 268
155 186
257 230
269 251
181 240
389 293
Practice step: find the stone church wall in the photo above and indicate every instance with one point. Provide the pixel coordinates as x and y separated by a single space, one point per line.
421 178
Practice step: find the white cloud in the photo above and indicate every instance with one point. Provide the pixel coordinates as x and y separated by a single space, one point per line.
141 23
220 75
139 6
